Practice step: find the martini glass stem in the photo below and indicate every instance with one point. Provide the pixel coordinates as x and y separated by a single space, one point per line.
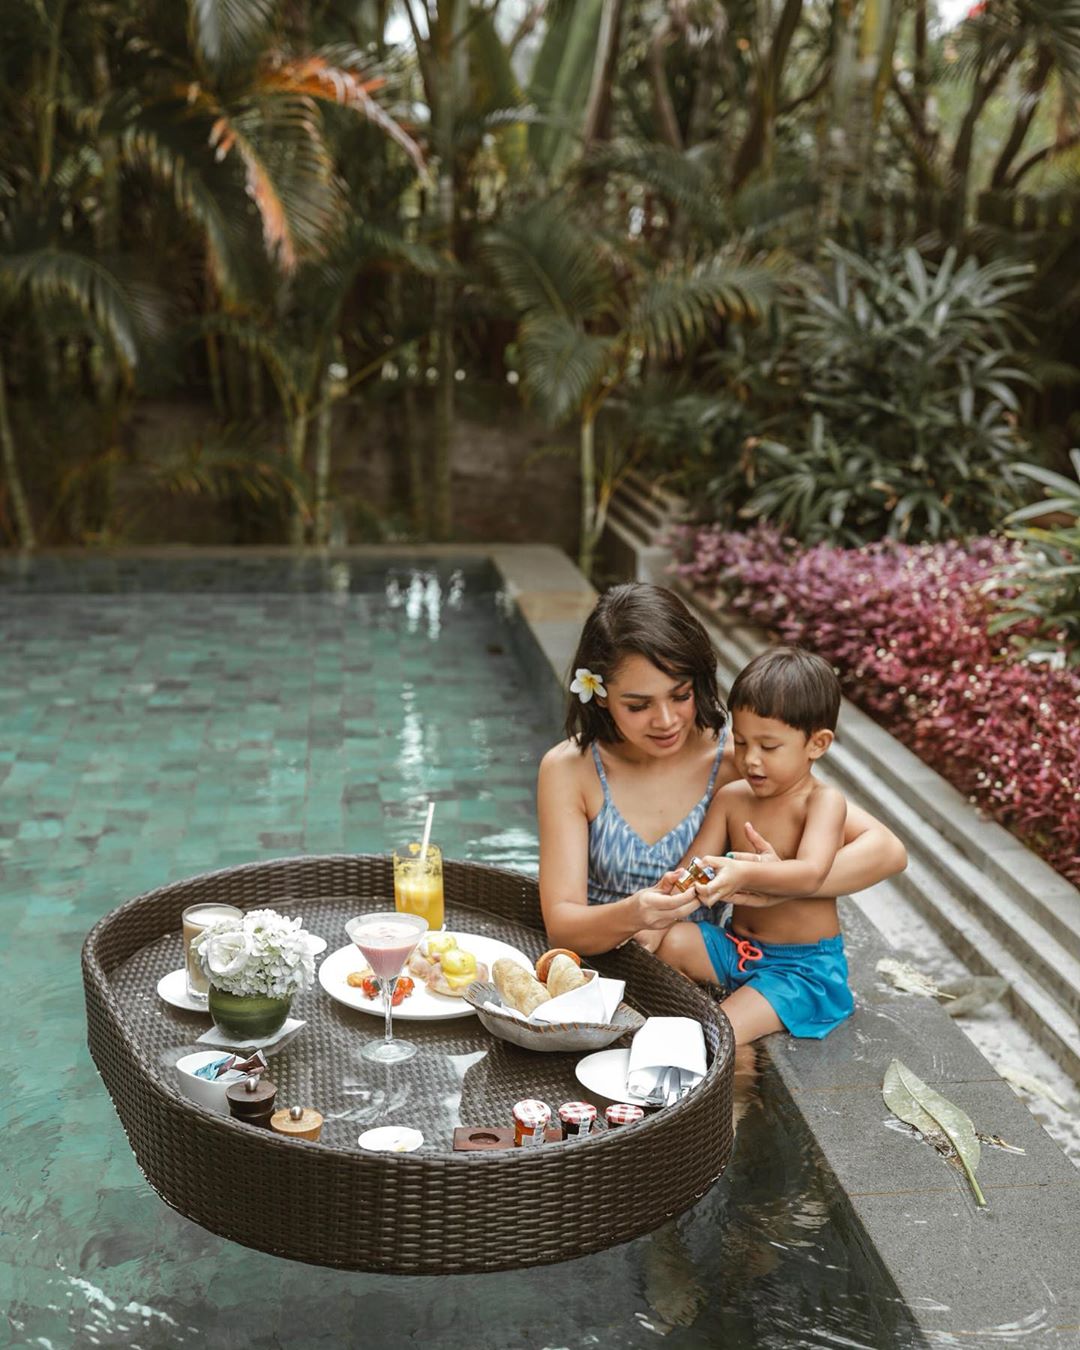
388 987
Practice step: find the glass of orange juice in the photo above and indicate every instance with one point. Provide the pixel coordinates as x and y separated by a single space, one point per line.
418 883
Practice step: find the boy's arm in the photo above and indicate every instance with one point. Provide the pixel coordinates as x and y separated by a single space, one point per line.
822 836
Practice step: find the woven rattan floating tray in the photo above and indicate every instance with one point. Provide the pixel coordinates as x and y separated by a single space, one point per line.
429 1212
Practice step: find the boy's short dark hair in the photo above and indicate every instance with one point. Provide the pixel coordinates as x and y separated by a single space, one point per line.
649 621
791 685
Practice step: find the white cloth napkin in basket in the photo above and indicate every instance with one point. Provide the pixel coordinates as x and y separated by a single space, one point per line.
667 1059
595 1001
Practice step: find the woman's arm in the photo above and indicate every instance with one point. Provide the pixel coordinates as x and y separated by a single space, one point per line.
870 853
564 871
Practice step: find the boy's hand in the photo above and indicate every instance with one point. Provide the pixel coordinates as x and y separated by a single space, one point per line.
764 851
730 878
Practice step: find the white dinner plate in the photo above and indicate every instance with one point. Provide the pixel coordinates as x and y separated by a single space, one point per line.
421 1005
605 1074
173 989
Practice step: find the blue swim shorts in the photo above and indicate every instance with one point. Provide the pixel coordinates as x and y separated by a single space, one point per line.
806 985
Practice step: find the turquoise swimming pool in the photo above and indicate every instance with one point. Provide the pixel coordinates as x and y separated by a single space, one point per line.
161 719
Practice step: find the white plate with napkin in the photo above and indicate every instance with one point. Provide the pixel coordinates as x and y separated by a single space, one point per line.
665 1061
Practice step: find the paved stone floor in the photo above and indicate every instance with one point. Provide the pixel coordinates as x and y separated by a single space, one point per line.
172 728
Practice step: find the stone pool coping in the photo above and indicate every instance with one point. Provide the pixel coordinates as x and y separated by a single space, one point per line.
962 1271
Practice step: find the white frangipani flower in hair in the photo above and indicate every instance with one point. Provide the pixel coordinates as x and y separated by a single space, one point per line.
585 684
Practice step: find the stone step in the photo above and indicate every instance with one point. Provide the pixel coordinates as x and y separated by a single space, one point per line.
980 950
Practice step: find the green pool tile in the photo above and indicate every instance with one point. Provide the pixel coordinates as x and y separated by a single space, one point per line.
155 736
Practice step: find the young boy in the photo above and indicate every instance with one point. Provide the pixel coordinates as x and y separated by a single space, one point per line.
780 959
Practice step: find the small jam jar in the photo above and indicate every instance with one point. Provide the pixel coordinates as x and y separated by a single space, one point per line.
530 1121
696 871
623 1113
576 1119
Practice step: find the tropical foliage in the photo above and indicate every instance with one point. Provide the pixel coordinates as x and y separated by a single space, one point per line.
1043 583
900 416
713 236
912 631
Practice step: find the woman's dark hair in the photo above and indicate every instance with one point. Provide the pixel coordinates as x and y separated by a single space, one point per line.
791 685
649 621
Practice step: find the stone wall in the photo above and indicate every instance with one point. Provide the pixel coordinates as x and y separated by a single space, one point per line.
508 484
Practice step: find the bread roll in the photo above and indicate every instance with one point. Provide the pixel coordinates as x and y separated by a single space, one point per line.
543 963
516 986
563 976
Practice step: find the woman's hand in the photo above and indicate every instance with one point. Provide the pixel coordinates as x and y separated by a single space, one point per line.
661 905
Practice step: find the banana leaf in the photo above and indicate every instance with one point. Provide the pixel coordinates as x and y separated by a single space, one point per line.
934 1116
560 82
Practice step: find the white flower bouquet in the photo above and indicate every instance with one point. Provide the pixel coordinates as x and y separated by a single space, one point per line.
261 953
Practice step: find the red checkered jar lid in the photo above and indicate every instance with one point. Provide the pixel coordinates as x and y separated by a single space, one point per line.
577 1113
532 1114
623 1114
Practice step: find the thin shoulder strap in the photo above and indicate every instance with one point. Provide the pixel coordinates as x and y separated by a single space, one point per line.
716 762
600 770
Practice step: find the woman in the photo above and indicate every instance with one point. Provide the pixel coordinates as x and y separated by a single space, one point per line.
621 799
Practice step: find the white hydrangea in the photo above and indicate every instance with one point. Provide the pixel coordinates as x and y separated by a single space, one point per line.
262 953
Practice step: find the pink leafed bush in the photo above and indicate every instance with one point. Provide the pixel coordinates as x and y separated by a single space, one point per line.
907 628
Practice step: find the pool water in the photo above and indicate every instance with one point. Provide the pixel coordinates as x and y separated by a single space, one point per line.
159 720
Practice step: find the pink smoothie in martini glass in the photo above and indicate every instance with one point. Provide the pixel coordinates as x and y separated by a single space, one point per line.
387 940
387 944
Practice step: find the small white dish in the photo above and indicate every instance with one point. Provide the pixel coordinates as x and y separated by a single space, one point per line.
173 989
605 1074
208 1092
319 944
391 1139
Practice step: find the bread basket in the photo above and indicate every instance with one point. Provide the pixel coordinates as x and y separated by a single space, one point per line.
551 1036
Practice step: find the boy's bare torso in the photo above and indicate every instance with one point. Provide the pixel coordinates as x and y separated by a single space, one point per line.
781 820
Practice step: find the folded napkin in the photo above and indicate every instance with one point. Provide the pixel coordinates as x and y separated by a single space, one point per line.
276 1040
667 1059
594 1001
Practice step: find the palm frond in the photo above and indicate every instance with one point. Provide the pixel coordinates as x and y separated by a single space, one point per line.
563 365
235 462
228 33
51 274
677 306
170 154
316 77
547 262
686 180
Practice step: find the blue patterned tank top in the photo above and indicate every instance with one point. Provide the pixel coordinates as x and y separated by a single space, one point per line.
621 862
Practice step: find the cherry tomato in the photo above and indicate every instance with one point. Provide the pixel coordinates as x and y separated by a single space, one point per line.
402 990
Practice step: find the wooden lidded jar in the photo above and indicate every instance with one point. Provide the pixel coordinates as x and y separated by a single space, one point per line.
298 1122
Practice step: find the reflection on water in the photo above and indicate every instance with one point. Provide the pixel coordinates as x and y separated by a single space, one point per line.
155 723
